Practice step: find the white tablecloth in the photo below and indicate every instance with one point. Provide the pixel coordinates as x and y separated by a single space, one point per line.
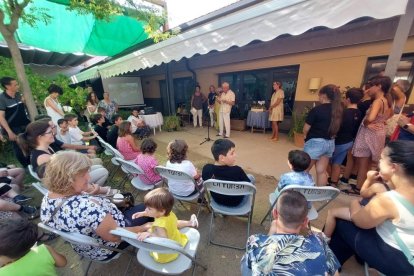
153 120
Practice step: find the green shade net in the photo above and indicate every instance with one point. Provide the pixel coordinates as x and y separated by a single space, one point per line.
69 32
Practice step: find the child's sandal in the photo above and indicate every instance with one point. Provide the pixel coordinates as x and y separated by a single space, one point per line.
194 221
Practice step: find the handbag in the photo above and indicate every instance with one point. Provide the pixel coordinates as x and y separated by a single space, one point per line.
123 201
391 123
404 248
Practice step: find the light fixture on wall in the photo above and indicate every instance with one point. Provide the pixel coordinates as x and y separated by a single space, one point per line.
314 84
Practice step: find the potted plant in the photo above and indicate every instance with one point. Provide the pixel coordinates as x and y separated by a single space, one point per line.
171 123
296 130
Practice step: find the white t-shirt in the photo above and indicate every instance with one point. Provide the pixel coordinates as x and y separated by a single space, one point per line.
76 135
134 121
65 138
182 187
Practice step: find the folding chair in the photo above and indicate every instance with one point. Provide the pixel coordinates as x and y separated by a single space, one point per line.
187 255
113 154
80 239
312 194
39 186
133 171
33 173
167 174
244 209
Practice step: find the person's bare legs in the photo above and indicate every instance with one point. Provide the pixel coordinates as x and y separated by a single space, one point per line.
364 165
350 167
18 175
275 130
9 206
335 172
333 214
320 166
193 222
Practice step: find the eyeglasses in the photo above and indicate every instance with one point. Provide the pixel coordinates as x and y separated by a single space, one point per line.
48 132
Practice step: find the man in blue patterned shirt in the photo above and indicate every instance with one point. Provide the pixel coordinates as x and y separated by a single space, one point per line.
285 251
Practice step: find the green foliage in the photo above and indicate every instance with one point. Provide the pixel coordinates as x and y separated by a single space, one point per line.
298 121
100 9
125 113
171 123
74 97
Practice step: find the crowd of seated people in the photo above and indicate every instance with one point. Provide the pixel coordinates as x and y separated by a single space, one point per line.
377 227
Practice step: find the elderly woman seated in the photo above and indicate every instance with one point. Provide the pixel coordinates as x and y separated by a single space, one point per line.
67 208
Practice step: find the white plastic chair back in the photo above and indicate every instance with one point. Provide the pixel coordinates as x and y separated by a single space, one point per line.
33 173
315 193
39 186
129 166
231 188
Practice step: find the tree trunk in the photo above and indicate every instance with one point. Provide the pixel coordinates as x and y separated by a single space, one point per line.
21 75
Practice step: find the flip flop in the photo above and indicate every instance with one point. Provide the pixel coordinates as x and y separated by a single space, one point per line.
45 237
194 221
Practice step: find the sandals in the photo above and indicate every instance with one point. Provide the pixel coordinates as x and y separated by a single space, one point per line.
353 191
194 221
45 237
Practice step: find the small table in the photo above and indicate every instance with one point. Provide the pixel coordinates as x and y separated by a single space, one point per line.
258 120
153 120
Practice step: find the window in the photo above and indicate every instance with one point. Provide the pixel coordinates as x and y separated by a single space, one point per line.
405 71
256 85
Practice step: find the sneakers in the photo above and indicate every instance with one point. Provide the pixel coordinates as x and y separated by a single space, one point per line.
345 181
30 211
194 221
19 199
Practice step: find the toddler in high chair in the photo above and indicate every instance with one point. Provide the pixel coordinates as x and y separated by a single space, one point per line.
159 203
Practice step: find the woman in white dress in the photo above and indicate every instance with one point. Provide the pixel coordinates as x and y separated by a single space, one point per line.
91 104
276 109
52 105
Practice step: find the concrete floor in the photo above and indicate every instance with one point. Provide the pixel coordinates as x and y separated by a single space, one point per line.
257 155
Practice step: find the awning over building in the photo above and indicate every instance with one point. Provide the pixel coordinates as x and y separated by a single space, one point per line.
264 21
70 32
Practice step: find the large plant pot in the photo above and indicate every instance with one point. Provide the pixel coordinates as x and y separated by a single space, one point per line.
298 139
239 125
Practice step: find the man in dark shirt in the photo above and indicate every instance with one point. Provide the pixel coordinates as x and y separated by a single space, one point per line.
211 102
223 151
113 131
13 116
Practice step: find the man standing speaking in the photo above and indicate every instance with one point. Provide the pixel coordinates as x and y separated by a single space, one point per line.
226 100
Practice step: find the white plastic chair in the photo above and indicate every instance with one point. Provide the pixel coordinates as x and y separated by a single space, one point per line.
39 186
133 170
167 174
33 173
244 209
113 154
80 239
186 258
312 194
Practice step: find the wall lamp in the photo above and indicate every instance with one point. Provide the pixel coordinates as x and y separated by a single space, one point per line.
314 84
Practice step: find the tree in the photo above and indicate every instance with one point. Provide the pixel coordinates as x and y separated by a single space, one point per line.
11 11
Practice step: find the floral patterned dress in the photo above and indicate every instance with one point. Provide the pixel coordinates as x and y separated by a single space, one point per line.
289 254
82 214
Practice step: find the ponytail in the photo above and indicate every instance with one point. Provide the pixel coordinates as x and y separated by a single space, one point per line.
334 95
27 141
23 143
385 83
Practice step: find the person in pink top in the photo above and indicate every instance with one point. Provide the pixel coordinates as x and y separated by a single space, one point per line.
147 162
126 142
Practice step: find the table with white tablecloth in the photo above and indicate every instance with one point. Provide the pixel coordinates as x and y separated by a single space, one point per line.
258 120
153 120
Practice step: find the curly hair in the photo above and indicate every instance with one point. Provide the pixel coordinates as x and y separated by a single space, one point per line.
148 146
62 170
177 151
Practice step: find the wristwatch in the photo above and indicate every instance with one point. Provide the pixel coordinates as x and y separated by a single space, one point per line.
407 126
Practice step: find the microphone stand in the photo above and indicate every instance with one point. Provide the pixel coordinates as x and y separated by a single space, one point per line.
208 130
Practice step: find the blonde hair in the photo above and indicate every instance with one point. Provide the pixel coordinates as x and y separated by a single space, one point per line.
62 169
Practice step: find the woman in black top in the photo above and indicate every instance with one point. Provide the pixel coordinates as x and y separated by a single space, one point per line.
322 125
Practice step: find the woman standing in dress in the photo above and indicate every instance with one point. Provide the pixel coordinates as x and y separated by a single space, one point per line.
370 140
111 107
91 104
276 109
52 105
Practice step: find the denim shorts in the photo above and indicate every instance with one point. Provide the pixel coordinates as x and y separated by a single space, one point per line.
318 147
340 152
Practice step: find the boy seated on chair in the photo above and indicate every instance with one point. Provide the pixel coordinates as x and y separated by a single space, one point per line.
19 254
298 161
224 168
284 251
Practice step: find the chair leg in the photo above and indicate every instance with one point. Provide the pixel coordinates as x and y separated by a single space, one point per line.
87 269
210 227
267 214
227 245
129 263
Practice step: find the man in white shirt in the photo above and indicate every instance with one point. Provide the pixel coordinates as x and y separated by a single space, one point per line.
227 99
